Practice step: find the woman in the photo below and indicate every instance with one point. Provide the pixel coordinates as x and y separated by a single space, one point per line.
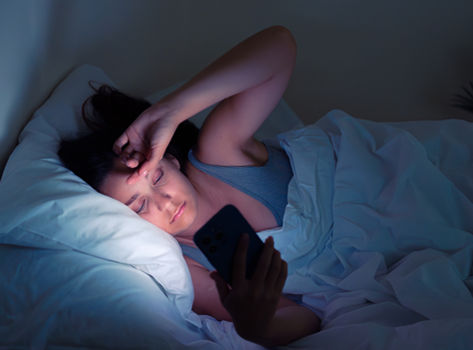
180 194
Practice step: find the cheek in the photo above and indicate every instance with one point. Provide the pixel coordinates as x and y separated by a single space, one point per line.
187 187
161 220
155 217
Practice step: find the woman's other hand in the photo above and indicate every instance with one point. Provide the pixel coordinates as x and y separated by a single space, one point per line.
143 143
252 304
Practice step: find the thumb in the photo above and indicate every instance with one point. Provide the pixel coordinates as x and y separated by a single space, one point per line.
222 286
151 162
153 157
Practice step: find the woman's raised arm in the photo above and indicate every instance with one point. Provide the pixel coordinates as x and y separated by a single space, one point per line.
249 80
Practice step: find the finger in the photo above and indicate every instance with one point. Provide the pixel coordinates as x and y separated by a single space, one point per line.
135 159
264 262
279 285
120 143
141 171
134 177
147 166
144 168
274 269
153 157
221 285
126 153
239 261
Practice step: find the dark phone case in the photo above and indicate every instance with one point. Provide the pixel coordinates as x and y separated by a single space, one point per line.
218 240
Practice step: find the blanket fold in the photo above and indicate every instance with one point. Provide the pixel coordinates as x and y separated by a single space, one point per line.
378 231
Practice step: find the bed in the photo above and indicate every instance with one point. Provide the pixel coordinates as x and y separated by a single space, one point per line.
74 275
377 233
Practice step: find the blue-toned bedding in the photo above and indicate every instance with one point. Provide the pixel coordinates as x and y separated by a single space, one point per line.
378 232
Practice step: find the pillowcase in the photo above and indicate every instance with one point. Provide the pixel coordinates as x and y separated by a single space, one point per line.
44 205
61 299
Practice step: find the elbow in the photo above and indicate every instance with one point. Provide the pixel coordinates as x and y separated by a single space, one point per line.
285 37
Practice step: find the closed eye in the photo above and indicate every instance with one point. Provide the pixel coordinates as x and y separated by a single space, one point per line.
159 175
142 207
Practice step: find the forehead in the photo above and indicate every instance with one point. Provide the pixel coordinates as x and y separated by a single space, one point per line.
115 185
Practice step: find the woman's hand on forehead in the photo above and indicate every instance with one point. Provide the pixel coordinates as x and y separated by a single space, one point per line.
143 144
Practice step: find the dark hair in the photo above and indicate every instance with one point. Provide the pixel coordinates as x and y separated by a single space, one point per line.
108 112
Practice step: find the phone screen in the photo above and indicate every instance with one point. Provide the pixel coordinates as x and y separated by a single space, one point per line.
218 240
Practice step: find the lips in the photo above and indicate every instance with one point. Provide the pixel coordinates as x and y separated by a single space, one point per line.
178 212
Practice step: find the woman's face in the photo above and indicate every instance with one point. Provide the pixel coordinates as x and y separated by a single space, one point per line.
164 197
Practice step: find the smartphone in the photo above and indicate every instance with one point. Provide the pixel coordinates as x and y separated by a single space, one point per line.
218 240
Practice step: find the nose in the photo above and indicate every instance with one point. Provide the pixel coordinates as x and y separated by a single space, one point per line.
163 201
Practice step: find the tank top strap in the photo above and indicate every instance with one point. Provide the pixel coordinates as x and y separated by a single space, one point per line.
266 183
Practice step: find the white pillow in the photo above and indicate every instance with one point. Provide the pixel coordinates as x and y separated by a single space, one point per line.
44 205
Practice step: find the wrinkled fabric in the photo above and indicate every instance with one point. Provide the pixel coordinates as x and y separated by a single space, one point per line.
378 232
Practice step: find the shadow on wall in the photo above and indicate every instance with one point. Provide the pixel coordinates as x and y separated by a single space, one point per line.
381 60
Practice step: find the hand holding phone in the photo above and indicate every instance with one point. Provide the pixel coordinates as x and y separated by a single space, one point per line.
252 304
255 271
219 237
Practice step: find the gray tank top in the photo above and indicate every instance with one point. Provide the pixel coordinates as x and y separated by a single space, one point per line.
267 184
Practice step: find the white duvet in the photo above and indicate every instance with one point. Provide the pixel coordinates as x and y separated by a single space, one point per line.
378 232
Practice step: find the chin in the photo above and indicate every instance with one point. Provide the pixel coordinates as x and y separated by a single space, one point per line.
184 224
